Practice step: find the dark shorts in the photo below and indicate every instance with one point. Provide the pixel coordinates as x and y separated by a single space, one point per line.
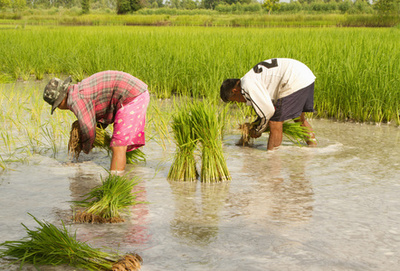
292 106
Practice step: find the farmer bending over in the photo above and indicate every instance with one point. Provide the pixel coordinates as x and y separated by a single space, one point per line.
278 89
105 97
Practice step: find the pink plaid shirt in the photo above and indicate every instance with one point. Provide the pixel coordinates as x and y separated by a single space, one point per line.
97 99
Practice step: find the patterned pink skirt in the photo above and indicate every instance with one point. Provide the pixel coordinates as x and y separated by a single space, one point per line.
129 123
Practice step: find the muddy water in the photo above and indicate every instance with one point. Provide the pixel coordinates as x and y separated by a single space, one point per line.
334 207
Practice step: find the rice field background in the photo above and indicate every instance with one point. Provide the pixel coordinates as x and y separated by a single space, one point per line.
316 206
357 69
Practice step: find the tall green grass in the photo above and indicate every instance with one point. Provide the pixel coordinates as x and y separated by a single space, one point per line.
356 68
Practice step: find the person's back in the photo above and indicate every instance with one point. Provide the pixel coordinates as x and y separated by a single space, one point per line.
279 77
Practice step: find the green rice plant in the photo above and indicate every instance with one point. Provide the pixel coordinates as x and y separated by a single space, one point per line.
105 202
183 167
3 165
102 140
158 119
49 245
208 124
292 130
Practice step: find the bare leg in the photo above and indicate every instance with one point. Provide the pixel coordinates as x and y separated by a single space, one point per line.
275 134
118 159
311 141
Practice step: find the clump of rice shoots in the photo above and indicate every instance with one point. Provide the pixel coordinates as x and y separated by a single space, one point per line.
49 245
104 203
102 140
75 144
292 130
208 125
184 164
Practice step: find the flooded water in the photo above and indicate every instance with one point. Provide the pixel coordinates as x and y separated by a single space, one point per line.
334 207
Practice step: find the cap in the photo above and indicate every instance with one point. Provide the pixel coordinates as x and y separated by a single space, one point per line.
55 92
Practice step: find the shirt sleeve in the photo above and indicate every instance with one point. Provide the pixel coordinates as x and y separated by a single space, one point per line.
260 101
84 111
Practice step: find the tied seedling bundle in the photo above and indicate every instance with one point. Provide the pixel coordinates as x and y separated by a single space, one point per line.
104 203
102 140
184 165
49 245
199 122
292 130
208 125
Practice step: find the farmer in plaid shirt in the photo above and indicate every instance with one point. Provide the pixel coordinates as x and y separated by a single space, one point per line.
104 98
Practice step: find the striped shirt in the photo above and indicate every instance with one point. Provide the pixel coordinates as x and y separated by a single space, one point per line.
97 99
271 80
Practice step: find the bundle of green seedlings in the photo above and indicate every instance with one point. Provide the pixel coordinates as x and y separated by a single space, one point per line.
50 245
102 140
184 164
208 124
199 122
292 130
104 203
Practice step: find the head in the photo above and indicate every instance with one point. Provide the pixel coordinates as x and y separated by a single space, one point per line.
55 92
230 91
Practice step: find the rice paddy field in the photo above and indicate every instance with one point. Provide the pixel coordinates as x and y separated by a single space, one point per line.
333 207
356 68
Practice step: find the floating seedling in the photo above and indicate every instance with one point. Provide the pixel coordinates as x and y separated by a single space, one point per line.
102 140
184 165
105 203
49 245
292 130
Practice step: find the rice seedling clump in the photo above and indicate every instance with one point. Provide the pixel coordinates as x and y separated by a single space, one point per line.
49 245
106 202
292 130
184 165
199 122
102 141
208 126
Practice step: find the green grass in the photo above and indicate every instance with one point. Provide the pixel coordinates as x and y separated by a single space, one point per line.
197 17
356 68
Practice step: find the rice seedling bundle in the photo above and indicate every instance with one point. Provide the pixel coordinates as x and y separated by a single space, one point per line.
208 127
184 165
102 140
49 245
292 130
104 203
195 123
74 143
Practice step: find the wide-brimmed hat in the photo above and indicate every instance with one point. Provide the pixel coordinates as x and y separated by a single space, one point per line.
55 92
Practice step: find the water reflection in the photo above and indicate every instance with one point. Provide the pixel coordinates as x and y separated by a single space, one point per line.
280 190
194 221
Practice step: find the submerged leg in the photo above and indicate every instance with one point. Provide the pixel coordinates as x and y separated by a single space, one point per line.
311 141
118 159
275 134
